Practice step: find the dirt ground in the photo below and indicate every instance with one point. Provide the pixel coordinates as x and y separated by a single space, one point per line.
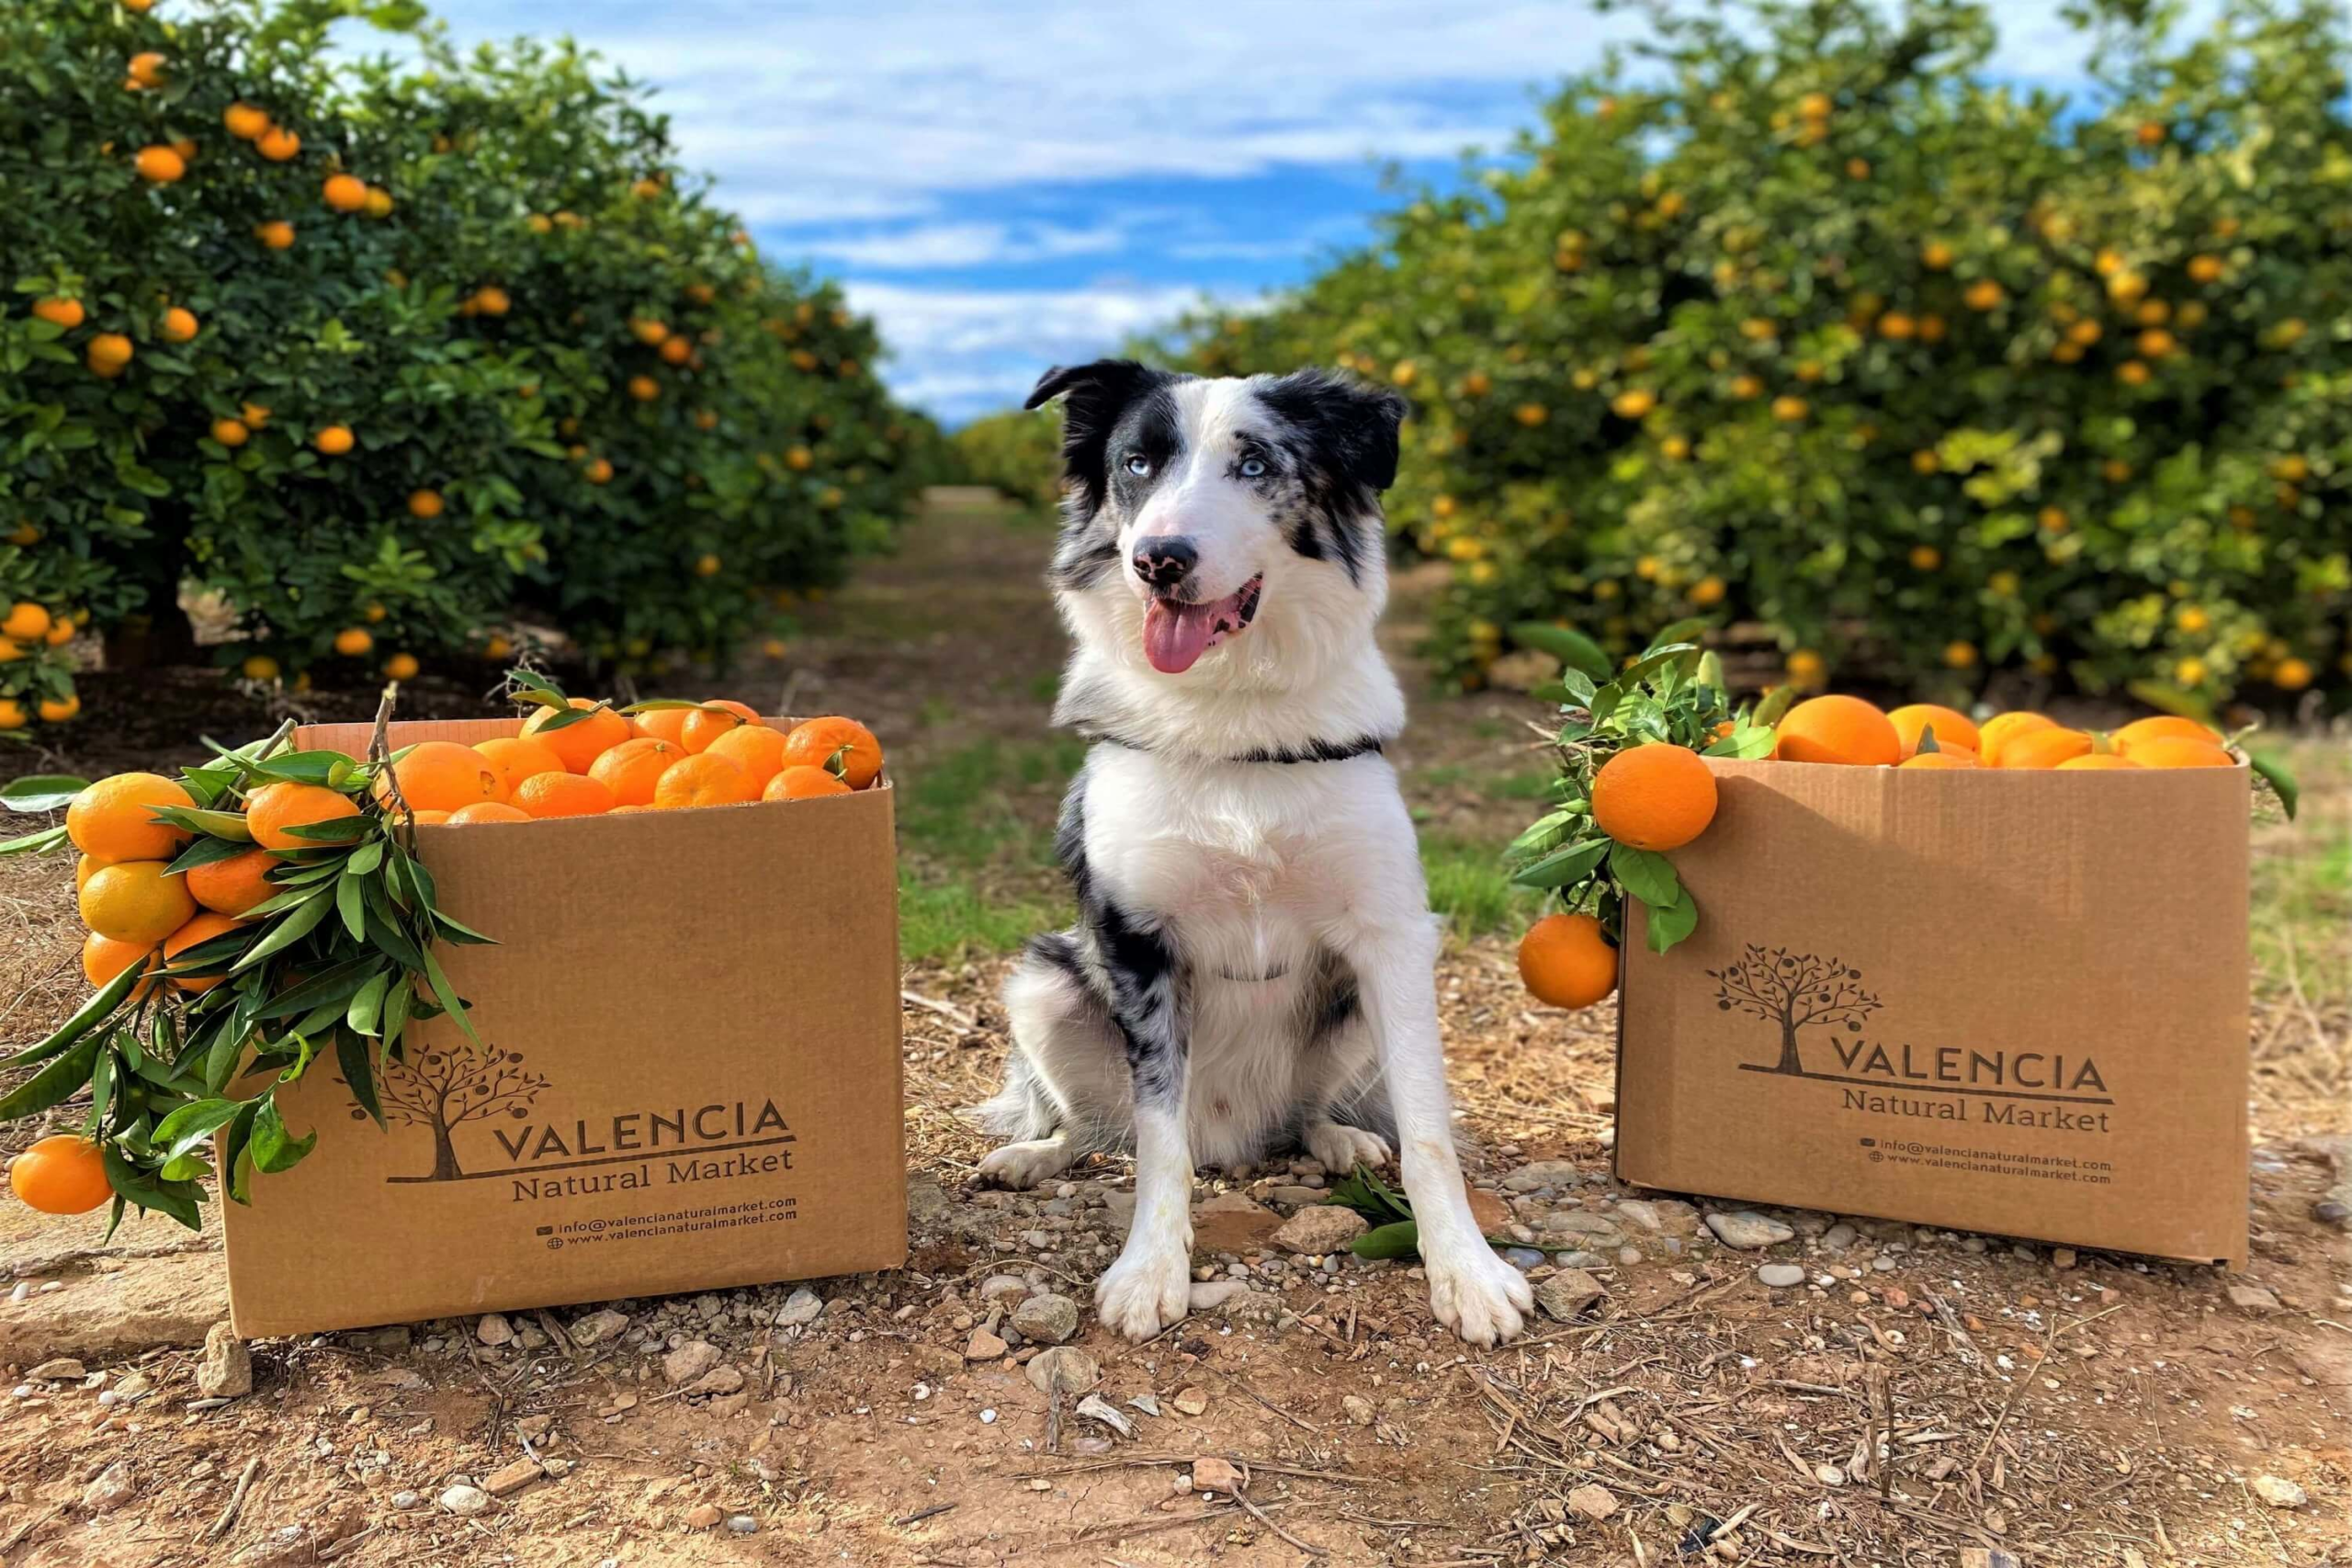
1921 1398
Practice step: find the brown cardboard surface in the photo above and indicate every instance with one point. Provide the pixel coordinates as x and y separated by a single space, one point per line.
694 1080
2023 1008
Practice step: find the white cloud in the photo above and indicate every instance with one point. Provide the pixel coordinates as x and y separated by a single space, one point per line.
963 244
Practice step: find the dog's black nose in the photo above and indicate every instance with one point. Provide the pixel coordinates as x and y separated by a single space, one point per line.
1164 562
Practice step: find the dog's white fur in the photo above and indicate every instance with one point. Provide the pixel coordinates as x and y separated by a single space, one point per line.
1252 870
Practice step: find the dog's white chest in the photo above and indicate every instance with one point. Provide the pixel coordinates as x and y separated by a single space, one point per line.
1216 847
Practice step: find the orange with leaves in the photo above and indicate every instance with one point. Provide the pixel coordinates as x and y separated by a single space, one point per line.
136 901
275 809
103 958
236 886
199 929
714 719
1656 796
1567 961
841 745
581 742
61 1175
113 819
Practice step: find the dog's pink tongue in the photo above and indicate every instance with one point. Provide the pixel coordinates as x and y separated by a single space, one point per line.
1174 634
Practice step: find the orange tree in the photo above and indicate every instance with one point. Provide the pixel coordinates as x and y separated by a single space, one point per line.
1800 320
1018 454
397 355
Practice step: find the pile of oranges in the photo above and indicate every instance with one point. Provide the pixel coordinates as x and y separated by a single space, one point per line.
655 758
1848 730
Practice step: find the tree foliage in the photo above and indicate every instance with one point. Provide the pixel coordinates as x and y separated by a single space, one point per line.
1799 318
575 395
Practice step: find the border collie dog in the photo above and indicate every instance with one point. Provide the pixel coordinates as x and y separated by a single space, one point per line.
1252 968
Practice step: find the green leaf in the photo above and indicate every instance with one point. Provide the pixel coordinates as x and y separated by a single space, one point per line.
358 1072
1572 648
52 1085
207 850
1562 867
368 1003
191 1126
1670 923
448 995
335 831
1644 875
396 1004
102 1077
41 792
236 1152
36 843
1540 835
274 1148
2274 773
288 929
211 824
1774 706
174 1199
1651 662
1401 1239
333 987
349 903
85 1017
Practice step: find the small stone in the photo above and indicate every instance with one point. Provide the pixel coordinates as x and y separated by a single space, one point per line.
2252 1298
1065 1367
512 1478
803 1306
1211 1473
1523 1258
406 1501
113 1488
742 1524
597 1327
1748 1230
1780 1276
1567 1293
1592 1501
704 1516
2062 1258
1094 1407
1048 1319
465 1501
1146 1403
1543 1173
689 1361
1489 1212
1324 1228
2278 1492
983 1345
1231 1222
226 1371
1839 1236
557 1469
998 1286
1829 1476
494 1329
1191 1400
1357 1408
65 1368
720 1379
1207 1296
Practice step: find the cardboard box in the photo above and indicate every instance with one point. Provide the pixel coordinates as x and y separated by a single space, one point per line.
691 1078
2011 1002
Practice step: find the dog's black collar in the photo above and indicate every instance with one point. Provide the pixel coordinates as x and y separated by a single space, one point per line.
1313 752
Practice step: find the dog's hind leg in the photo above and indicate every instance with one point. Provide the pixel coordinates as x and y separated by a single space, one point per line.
1065 1079
1344 1116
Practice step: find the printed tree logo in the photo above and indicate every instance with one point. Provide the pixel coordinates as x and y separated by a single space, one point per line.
1795 990
443 1090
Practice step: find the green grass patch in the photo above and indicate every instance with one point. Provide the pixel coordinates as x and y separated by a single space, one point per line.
976 826
1467 886
2302 881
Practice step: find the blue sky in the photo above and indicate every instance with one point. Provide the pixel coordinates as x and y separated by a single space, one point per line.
1009 185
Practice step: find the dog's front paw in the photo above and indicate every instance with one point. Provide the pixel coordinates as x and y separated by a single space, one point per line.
1143 1293
1340 1149
1479 1296
1021 1166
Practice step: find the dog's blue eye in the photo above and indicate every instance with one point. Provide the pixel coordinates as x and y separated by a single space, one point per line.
1253 468
1139 466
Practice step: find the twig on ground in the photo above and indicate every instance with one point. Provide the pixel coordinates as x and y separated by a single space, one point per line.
236 1500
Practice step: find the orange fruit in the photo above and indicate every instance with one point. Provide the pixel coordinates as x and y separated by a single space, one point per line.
147 69
2041 748
275 807
278 144
2171 751
1996 732
2097 762
401 667
61 1175
353 641
245 122
665 724
86 867
1939 760
258 667
818 741
112 818
379 202
703 726
24 622
2159 726
134 901
345 193
109 354
180 325
235 886
1566 961
644 388
442 775
425 504
517 758
1837 729
66 313
755 747
333 441
702 781
160 165
563 794
489 811
200 928
801 782
1653 797
434 819
599 472
103 958
57 710
231 431
631 769
277 234
582 742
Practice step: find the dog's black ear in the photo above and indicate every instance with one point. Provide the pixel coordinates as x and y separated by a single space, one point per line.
1094 398
1349 427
